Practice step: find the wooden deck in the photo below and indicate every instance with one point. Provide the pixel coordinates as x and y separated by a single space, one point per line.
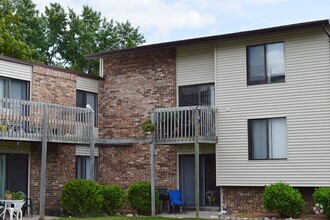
183 125
24 120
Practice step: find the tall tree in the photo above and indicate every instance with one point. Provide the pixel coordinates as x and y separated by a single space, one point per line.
12 42
55 21
59 37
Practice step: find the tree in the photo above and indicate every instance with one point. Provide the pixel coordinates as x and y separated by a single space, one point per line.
12 42
61 38
89 33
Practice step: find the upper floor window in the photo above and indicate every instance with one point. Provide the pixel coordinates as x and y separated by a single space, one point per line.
265 63
267 139
14 89
197 95
90 98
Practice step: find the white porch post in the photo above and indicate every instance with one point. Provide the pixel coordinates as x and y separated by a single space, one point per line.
43 163
152 170
91 143
197 130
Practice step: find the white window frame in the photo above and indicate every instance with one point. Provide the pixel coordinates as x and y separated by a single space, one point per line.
274 145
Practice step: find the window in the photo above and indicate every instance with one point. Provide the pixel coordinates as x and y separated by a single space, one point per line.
202 95
265 63
14 89
84 98
267 139
82 167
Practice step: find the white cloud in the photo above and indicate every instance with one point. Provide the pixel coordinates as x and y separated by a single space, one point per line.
157 16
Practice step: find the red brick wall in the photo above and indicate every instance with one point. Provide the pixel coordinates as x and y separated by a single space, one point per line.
133 86
61 162
53 86
242 199
58 87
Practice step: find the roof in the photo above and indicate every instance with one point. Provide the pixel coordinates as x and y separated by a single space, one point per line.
209 39
30 63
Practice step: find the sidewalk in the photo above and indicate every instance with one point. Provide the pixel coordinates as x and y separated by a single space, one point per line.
191 214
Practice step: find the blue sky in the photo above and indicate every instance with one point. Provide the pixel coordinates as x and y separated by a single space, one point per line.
170 20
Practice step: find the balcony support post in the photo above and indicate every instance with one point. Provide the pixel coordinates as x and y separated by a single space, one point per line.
152 170
197 131
43 163
92 145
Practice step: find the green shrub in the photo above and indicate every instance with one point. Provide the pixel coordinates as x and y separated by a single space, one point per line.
139 197
114 198
322 196
283 199
147 125
81 197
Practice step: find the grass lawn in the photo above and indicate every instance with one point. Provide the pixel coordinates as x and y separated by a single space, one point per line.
125 218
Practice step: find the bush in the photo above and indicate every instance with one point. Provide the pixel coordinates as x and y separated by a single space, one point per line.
322 196
283 199
139 197
147 125
114 199
81 197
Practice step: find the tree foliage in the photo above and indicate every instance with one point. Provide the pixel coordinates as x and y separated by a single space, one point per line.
61 37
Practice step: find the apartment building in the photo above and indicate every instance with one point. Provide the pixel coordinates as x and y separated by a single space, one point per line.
233 113
267 91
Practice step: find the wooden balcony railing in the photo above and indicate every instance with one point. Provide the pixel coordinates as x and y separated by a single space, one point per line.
185 124
24 120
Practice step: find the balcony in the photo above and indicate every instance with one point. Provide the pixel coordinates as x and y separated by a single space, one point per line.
185 125
26 120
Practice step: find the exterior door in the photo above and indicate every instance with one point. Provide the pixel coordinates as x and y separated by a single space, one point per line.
209 192
14 172
187 178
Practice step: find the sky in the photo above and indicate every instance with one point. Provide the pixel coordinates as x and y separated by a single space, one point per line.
170 20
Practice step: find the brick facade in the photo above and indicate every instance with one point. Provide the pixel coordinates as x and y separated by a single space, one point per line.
133 86
61 165
52 86
242 199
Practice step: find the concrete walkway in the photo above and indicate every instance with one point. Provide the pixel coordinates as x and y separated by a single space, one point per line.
191 214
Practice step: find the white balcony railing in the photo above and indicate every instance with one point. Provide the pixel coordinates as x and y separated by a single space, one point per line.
24 120
184 124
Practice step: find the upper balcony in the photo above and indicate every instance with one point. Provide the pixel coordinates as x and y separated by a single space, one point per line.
26 120
184 125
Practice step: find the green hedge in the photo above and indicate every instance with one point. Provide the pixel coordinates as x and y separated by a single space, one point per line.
114 198
283 199
139 197
81 197
322 196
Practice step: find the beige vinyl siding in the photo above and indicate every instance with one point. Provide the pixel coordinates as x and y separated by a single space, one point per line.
85 151
87 84
15 70
15 147
304 99
190 149
195 65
